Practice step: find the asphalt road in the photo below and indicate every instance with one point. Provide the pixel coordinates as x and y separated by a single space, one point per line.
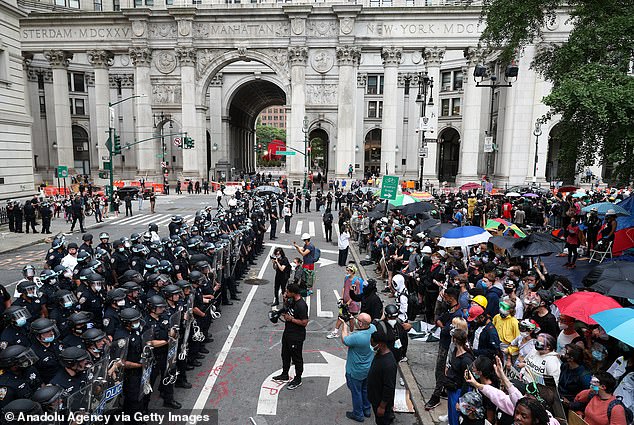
235 375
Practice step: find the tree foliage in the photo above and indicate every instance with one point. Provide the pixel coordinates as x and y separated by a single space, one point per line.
593 85
265 133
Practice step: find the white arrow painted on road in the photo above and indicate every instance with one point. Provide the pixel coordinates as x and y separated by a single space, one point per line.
334 369
320 312
325 262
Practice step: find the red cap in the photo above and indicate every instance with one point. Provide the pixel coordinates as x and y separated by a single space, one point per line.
474 312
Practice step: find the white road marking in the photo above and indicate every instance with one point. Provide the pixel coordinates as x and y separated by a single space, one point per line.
308 304
321 313
328 251
222 356
298 228
337 229
323 230
311 228
337 297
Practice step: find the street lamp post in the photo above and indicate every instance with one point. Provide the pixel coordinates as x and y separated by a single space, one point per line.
160 119
425 87
111 139
536 132
306 162
510 76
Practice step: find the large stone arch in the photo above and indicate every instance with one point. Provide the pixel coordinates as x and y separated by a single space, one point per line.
210 62
238 85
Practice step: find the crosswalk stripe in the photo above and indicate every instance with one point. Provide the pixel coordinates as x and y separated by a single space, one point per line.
268 229
311 228
132 220
308 305
282 228
337 297
164 220
337 229
323 230
298 229
126 219
141 220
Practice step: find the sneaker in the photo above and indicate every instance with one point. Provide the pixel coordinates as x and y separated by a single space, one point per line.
333 334
443 418
294 384
443 394
401 382
281 378
404 359
367 413
351 415
433 402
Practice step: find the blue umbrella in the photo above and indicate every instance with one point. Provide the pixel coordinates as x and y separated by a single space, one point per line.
603 207
464 236
618 323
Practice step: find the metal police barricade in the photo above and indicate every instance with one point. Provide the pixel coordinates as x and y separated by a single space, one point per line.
147 360
81 403
172 349
187 322
111 382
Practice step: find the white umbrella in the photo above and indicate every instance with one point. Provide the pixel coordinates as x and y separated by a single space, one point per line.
464 236
513 195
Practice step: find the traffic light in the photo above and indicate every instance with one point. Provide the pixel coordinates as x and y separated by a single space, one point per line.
117 145
259 148
189 143
310 148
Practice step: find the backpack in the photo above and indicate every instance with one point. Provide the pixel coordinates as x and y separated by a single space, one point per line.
618 401
316 255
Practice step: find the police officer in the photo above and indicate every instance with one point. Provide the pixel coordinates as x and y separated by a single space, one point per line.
106 266
16 329
17 216
174 297
133 295
56 253
87 245
19 379
158 322
96 342
44 343
50 398
120 259
64 306
115 301
104 242
83 258
74 373
11 215
78 323
175 224
131 332
137 261
47 214
89 295
29 299
48 288
181 263
151 266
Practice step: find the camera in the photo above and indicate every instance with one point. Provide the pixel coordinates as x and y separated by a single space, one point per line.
272 257
344 312
274 315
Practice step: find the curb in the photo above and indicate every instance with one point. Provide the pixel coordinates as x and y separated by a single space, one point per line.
418 400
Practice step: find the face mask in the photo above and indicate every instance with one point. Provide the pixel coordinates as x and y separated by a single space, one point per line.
539 345
531 286
523 334
20 322
598 355
97 350
97 288
392 322
563 326
375 348
476 376
31 295
68 304
49 339
463 410
508 291
121 303
347 275
136 325
504 313
594 388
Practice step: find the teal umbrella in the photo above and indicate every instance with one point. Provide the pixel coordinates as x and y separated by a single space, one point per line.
618 323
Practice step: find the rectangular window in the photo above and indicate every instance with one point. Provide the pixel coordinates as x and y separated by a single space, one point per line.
404 161
60 2
79 107
149 2
372 87
40 82
444 110
457 80
116 5
73 3
98 6
76 82
381 84
372 109
455 110
138 3
42 105
445 84
381 109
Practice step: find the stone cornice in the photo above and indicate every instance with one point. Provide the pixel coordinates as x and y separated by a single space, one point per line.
123 80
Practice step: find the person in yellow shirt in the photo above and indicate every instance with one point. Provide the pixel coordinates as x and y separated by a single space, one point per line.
507 326
471 204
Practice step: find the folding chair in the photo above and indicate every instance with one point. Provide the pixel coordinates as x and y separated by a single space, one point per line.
602 254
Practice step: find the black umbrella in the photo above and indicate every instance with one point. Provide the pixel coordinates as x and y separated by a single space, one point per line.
505 242
615 278
440 229
537 245
426 224
262 190
416 208
381 207
376 214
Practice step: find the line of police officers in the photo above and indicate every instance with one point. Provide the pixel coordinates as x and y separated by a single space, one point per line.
140 307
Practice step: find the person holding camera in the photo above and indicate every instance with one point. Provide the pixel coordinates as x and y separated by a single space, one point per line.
296 320
348 306
282 273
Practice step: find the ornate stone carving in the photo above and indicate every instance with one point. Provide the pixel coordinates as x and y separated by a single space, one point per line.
242 51
404 78
297 55
298 25
347 25
473 55
240 30
434 55
216 80
165 61
321 28
33 74
362 80
322 61
90 79
121 80
141 56
166 93
348 55
100 58
205 57
58 58
27 58
186 55
279 56
163 30
138 28
321 94
184 27
391 56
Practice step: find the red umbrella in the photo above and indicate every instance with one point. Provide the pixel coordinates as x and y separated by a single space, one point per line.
567 189
470 186
582 305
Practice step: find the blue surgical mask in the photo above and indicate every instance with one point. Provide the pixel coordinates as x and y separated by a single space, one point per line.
68 304
49 339
136 325
20 322
594 388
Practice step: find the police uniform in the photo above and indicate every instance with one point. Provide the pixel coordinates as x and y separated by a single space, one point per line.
91 302
131 377
106 246
14 335
70 384
137 263
111 320
48 295
72 340
181 266
48 363
120 263
34 307
54 257
60 315
160 332
14 387
88 248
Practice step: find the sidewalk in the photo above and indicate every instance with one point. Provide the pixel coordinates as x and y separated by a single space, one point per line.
418 371
10 241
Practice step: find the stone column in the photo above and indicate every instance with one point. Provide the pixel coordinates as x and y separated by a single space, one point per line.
187 59
101 60
215 111
391 59
147 162
433 59
297 56
471 120
201 146
63 127
348 59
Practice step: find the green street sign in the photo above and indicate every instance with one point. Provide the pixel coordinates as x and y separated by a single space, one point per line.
62 171
285 153
106 165
389 187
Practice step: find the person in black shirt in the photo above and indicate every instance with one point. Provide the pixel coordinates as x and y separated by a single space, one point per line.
541 314
282 273
382 375
273 219
293 337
